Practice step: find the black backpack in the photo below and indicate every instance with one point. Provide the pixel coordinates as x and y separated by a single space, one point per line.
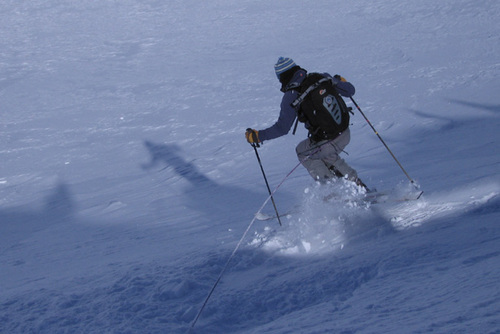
322 109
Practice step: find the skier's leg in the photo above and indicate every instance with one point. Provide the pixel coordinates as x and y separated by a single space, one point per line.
338 164
332 159
322 160
311 159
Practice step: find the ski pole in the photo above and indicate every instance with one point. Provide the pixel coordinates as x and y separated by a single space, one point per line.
255 144
383 142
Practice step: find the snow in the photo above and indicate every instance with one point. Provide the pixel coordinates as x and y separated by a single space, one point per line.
126 182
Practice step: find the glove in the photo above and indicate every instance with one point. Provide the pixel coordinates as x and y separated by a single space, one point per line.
252 136
337 78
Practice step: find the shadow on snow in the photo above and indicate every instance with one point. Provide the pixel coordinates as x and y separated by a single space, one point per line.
202 194
18 223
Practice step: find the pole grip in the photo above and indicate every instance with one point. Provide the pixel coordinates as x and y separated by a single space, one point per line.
254 137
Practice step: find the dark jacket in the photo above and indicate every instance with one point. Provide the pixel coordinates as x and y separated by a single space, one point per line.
288 113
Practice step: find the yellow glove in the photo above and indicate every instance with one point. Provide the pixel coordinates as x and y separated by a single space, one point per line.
339 78
252 136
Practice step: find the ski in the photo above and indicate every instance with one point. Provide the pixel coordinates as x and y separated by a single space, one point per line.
372 198
382 197
376 197
264 216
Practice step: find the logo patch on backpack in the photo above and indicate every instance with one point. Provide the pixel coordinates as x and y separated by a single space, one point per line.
330 104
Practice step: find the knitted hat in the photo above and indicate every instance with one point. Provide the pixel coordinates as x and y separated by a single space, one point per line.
283 65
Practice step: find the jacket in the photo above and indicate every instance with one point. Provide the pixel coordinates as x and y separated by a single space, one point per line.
288 113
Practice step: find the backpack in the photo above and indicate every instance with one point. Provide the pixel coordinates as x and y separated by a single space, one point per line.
322 109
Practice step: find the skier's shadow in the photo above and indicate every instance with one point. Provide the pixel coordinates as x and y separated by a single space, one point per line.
201 193
169 155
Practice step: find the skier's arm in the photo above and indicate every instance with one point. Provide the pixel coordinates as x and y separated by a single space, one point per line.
343 87
285 120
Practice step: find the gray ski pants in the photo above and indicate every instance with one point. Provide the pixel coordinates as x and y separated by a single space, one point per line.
321 159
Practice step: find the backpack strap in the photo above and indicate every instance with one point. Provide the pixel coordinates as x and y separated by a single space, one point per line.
291 86
296 123
315 85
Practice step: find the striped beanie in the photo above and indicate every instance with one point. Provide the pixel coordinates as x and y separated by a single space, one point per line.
283 65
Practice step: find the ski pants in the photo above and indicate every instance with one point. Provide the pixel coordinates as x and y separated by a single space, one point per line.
321 159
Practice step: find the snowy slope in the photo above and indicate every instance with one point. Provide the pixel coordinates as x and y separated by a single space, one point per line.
126 182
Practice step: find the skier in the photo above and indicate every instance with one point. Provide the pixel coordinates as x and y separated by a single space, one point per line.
319 153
